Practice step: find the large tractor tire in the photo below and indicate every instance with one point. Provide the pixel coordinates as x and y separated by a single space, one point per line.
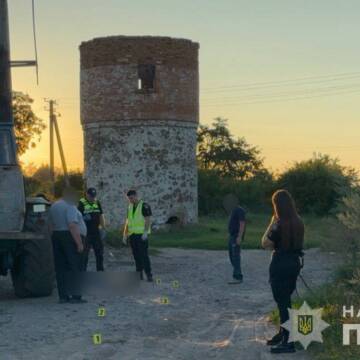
33 272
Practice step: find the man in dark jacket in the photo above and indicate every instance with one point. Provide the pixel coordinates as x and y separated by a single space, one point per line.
236 229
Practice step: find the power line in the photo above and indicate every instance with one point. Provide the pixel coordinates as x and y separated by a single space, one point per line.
327 148
289 82
315 79
268 97
271 97
287 94
285 99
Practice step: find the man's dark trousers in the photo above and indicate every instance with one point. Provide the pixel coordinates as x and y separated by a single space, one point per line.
234 256
93 240
68 264
140 250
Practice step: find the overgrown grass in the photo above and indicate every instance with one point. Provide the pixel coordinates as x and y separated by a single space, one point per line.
211 233
332 297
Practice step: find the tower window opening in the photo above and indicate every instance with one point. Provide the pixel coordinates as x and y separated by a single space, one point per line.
146 77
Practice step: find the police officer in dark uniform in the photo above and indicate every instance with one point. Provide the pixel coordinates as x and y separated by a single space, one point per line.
93 215
136 231
285 236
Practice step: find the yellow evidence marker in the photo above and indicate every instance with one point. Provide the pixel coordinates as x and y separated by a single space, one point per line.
165 300
97 340
157 281
175 284
101 312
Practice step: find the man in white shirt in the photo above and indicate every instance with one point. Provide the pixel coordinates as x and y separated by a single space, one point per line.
68 233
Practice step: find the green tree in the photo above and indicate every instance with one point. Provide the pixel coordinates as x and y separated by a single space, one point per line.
218 150
27 125
318 184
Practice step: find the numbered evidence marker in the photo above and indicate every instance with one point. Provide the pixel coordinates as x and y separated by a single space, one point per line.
101 312
164 300
97 340
175 284
158 281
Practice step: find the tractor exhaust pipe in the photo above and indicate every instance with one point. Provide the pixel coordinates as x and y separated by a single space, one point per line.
7 137
12 197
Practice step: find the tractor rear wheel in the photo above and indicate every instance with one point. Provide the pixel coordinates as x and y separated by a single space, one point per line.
33 272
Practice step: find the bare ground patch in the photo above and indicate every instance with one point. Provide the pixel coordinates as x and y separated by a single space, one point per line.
205 319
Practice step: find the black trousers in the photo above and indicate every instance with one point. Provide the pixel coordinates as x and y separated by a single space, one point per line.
284 271
68 264
140 250
93 240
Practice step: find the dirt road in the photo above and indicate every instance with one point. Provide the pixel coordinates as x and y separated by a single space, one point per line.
205 319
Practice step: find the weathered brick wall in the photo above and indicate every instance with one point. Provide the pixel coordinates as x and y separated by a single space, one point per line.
136 138
157 160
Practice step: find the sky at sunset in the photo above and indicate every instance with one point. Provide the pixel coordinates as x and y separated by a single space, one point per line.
285 73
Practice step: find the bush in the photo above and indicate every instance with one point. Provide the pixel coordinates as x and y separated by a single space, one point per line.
318 184
344 291
349 217
39 181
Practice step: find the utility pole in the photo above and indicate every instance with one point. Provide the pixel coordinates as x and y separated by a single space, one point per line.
54 127
52 154
61 150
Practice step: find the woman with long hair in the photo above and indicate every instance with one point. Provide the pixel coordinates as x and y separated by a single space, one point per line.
285 236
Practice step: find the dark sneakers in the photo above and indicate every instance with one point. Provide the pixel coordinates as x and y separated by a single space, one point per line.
283 348
149 278
236 280
275 340
72 300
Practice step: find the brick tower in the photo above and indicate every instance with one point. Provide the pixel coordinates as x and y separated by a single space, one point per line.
140 112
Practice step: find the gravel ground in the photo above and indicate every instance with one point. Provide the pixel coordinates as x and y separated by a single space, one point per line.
205 318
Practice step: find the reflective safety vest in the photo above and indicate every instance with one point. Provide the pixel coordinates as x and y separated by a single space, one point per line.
90 208
136 220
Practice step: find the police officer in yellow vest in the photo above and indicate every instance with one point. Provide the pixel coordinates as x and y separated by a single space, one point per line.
93 216
136 231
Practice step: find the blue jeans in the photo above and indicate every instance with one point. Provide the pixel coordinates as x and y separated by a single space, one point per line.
234 256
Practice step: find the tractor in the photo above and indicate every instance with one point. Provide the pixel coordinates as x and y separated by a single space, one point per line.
25 246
